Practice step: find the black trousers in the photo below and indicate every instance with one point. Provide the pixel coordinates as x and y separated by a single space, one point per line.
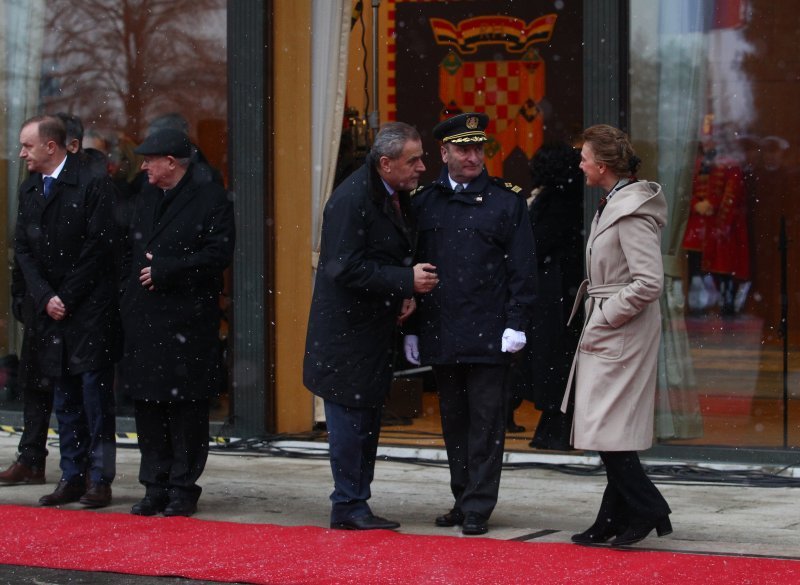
37 405
630 496
473 403
173 441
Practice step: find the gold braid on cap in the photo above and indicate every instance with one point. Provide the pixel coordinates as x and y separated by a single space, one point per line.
467 137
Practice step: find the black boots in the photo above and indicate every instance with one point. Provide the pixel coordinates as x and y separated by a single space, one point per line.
599 532
639 530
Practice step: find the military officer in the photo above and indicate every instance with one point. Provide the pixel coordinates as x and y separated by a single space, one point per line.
475 229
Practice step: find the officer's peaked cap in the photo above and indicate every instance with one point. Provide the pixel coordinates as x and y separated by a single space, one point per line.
463 128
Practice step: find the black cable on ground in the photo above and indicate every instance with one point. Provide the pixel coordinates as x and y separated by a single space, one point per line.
686 473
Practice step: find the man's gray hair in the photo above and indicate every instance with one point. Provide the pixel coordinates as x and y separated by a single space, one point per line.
391 140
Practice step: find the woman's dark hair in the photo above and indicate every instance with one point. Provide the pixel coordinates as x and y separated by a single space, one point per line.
612 147
556 165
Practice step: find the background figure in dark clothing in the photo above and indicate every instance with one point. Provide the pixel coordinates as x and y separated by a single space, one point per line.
92 157
540 372
37 398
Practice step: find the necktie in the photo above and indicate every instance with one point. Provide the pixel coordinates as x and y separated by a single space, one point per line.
48 182
166 200
394 198
601 205
459 188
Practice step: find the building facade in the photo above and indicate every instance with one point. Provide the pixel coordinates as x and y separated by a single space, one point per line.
281 95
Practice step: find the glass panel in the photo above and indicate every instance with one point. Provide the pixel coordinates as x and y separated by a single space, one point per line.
713 100
118 65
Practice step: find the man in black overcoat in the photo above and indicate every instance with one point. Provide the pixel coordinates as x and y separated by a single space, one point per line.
475 229
180 240
364 285
63 245
37 391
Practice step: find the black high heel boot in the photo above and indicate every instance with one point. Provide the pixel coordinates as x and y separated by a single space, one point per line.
599 532
639 530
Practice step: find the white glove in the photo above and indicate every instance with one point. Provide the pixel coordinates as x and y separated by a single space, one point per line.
513 341
411 349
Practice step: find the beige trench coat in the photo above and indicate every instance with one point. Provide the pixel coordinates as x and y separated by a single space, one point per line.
614 368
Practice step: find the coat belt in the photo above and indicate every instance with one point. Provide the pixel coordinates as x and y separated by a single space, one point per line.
596 291
599 291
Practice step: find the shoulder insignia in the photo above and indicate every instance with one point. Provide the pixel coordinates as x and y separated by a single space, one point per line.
516 189
421 188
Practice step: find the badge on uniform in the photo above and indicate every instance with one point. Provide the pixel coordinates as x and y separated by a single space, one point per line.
479 199
513 187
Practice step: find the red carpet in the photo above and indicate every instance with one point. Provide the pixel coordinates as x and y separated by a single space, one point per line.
259 553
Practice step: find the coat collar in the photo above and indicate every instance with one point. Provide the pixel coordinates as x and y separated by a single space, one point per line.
380 196
67 176
181 198
474 192
641 197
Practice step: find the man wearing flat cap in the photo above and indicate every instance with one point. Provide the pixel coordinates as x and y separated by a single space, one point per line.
475 229
179 242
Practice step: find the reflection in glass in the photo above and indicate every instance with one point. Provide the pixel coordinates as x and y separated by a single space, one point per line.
705 84
117 64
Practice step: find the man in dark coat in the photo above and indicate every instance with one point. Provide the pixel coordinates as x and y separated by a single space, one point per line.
181 239
364 286
63 246
37 391
475 230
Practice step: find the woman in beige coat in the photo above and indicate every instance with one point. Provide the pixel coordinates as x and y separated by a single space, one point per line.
615 366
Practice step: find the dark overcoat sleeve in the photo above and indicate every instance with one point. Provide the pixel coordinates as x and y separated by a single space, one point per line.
346 242
522 269
30 266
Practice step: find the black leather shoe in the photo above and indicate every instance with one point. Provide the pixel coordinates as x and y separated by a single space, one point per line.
180 507
150 506
474 523
598 533
513 427
454 517
639 530
18 472
64 493
97 496
368 522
